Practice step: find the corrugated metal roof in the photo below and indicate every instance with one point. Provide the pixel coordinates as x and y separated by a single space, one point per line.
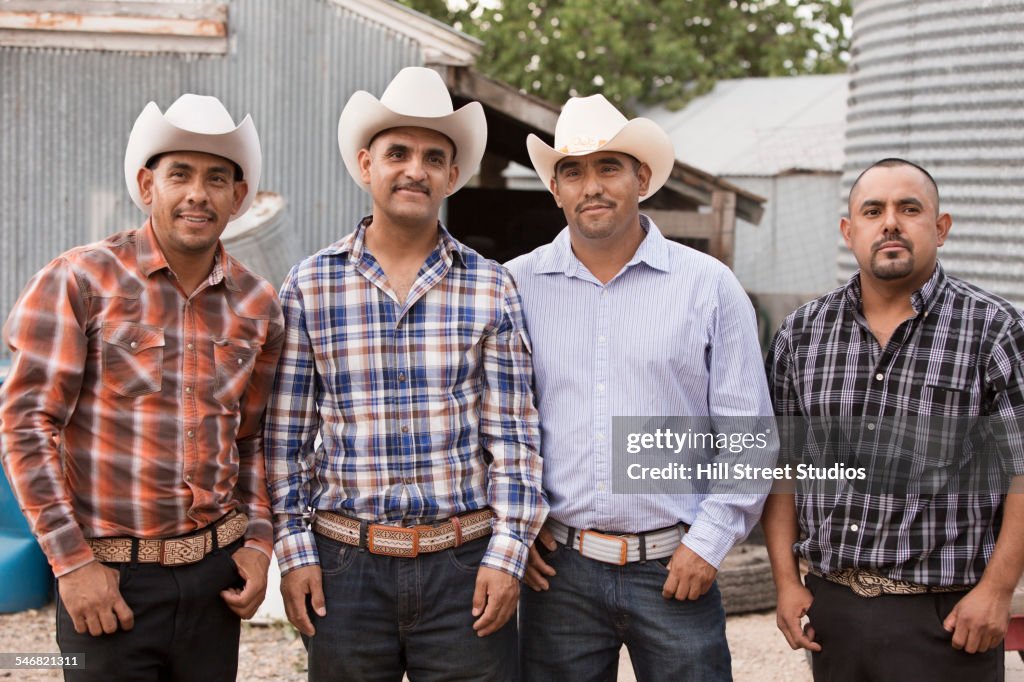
762 126
941 82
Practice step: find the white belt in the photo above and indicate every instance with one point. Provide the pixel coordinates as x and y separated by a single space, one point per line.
618 549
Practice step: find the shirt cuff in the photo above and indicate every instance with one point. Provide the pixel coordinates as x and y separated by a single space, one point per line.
296 550
506 554
66 549
709 542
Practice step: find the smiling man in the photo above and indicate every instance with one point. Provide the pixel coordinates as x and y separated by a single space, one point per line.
913 579
626 323
131 416
403 535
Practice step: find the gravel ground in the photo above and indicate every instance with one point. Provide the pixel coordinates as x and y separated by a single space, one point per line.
274 652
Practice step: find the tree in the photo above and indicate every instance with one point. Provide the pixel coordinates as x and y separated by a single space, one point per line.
646 51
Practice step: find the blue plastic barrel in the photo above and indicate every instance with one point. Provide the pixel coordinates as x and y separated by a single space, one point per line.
25 578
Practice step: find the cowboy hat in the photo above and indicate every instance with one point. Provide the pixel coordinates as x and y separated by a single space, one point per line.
416 97
194 123
590 124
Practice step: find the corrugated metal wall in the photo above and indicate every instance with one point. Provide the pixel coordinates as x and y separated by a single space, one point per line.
65 118
941 82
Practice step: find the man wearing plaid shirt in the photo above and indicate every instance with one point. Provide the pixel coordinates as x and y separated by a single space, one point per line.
919 378
131 418
406 353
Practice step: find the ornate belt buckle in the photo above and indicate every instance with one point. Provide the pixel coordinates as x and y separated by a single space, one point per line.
393 541
608 541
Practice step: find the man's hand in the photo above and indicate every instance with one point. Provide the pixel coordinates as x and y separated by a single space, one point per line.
979 620
494 600
536 567
252 567
689 576
93 600
296 585
793 602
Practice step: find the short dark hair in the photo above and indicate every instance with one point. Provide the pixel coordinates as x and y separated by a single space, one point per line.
154 161
890 162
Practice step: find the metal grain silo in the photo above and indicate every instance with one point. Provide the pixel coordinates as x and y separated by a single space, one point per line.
941 83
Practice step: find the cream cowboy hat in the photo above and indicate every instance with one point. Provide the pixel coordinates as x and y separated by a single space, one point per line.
194 123
590 124
416 97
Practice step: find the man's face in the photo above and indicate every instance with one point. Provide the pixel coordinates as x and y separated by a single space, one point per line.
192 195
600 193
410 171
894 228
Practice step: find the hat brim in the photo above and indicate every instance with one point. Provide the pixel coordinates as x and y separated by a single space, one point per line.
364 116
641 138
152 134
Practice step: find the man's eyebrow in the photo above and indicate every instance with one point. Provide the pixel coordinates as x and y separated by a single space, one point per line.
180 165
913 201
566 163
610 160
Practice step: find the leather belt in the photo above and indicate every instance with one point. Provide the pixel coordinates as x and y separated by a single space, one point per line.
179 551
866 583
398 541
618 548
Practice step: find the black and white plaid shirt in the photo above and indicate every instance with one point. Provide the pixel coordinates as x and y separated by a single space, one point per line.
961 355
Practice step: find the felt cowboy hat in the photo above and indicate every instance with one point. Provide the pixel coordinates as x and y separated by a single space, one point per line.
591 124
416 97
194 123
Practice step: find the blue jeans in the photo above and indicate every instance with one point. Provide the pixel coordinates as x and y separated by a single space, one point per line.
574 631
387 616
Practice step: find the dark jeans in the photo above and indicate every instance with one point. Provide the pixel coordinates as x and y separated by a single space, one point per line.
891 637
574 631
389 615
183 629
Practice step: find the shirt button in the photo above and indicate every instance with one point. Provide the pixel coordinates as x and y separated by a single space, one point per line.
190 433
188 479
600 435
871 427
134 344
240 361
189 346
879 376
405 429
188 389
401 376
854 527
600 388
600 487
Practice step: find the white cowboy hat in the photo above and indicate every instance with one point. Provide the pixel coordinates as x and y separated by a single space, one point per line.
590 124
416 97
194 123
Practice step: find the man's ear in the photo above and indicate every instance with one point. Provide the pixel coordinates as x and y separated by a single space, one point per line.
453 177
554 191
845 228
364 159
643 176
942 227
241 191
145 179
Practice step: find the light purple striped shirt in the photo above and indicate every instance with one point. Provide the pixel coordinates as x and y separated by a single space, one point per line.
673 334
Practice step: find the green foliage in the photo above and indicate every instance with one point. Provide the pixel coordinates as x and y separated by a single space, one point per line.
647 51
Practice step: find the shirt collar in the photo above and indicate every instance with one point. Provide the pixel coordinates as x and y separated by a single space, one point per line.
922 300
653 251
355 244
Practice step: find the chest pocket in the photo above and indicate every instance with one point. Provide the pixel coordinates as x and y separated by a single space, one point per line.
234 363
133 358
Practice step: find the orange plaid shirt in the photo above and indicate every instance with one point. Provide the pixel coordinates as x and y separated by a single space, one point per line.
132 409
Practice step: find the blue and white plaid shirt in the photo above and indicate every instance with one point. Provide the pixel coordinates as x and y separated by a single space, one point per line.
424 407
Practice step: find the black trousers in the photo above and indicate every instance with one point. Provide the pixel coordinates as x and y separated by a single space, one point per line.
891 638
183 629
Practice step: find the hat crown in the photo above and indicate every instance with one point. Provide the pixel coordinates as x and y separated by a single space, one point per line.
586 124
418 91
200 114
